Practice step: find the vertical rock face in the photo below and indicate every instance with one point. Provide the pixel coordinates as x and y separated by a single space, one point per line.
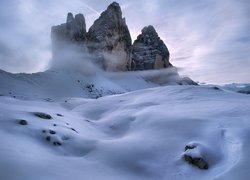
109 42
149 51
68 38
110 39
73 30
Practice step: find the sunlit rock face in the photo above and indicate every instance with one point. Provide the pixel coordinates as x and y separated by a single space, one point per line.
149 51
110 39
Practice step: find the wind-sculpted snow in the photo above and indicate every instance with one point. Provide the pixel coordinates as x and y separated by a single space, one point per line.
136 135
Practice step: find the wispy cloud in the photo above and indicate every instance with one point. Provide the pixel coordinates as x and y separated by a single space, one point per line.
208 40
92 9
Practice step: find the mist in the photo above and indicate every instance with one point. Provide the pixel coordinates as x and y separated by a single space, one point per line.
68 56
208 40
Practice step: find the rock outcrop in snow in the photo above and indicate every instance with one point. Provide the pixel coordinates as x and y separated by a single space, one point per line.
109 41
149 51
194 158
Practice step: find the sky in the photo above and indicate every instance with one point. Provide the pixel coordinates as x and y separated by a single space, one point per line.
208 40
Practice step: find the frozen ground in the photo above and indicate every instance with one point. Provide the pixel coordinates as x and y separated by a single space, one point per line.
137 135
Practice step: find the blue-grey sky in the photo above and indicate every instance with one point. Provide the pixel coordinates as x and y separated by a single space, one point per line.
208 40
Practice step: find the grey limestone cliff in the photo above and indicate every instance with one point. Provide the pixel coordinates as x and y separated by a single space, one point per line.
70 34
109 42
110 39
149 51
73 30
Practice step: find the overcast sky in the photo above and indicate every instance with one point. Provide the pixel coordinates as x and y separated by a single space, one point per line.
208 40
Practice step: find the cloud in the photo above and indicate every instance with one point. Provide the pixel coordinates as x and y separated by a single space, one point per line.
208 40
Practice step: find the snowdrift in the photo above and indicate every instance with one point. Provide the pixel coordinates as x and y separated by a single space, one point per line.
136 135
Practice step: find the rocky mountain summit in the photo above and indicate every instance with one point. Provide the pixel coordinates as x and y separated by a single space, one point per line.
149 51
109 38
73 30
109 41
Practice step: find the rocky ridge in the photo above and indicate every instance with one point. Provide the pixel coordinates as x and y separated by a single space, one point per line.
110 43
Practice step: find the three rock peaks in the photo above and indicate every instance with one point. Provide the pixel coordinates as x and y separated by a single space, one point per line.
110 43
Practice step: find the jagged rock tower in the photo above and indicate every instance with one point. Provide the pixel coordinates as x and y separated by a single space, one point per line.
71 32
149 51
109 38
109 42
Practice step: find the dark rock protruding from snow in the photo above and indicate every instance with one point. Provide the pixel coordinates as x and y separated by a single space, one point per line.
42 115
149 51
194 157
23 122
110 39
196 161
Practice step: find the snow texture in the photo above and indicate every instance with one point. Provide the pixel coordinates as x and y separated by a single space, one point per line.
136 135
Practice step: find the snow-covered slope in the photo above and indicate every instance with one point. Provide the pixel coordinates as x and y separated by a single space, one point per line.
136 135
54 84
236 87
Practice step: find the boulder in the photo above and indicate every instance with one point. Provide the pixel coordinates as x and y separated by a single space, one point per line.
23 122
43 115
196 161
193 156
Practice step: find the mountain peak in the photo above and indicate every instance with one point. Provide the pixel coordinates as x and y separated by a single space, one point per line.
70 17
112 12
73 31
149 51
110 34
110 43
114 5
80 20
149 29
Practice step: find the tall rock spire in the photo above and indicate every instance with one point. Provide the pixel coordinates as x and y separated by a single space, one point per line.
110 38
149 51
73 30
109 42
70 17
